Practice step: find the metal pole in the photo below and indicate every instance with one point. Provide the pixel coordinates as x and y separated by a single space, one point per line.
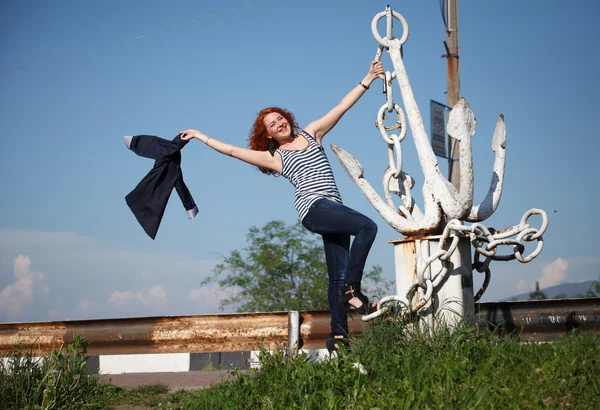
293 331
453 300
453 57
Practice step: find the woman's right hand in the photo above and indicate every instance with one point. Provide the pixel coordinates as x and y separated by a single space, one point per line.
191 133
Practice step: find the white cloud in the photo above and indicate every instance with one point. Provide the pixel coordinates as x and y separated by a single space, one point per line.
553 273
85 306
27 286
210 296
521 285
155 295
92 279
125 303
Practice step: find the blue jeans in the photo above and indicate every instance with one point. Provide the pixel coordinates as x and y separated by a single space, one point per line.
345 264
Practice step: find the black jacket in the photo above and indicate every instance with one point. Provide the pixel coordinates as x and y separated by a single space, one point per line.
149 198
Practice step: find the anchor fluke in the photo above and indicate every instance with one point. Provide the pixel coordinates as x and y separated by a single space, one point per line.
349 163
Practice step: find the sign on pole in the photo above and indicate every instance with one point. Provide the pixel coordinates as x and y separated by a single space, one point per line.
438 129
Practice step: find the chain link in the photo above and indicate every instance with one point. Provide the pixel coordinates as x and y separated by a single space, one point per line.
406 185
393 141
479 235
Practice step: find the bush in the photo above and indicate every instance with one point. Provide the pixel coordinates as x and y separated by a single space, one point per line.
58 381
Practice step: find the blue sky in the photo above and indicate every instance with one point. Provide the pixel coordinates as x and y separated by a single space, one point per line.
77 76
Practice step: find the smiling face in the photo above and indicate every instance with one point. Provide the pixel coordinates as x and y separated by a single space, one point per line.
278 127
272 127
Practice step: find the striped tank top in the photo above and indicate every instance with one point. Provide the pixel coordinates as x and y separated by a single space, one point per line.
310 173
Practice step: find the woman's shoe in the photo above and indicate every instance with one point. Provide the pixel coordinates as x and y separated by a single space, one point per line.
338 340
352 290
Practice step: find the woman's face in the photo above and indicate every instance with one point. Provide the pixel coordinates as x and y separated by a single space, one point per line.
277 125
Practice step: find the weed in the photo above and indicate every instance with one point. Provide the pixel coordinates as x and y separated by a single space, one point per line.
408 368
58 381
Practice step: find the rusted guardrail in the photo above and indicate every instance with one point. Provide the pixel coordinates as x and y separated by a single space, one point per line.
535 320
541 320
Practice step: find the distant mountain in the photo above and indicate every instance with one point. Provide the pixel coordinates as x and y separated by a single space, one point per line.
570 289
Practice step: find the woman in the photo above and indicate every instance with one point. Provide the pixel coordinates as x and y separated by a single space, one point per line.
278 146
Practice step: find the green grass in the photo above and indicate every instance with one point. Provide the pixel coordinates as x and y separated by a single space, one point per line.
156 396
405 369
61 381
58 381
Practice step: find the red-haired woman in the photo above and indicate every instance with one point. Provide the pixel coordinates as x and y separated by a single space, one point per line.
279 146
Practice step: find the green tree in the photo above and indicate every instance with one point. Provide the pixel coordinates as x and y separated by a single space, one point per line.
537 294
594 290
282 268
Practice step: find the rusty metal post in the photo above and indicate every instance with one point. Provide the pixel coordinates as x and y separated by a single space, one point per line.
453 301
453 57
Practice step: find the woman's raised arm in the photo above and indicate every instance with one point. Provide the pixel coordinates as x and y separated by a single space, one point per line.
257 158
323 125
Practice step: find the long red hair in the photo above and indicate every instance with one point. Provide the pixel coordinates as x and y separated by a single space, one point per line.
258 140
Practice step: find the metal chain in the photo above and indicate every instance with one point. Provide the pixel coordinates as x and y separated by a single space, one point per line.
393 141
478 235
482 267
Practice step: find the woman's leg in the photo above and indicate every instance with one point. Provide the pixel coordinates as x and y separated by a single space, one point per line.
336 248
329 217
336 222
336 255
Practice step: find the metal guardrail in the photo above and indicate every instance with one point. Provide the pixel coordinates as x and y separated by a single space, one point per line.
542 320
171 334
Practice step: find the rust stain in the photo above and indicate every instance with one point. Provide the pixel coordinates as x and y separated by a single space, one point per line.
501 231
220 332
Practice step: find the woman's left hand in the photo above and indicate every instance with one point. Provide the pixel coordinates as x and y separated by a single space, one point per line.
376 69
